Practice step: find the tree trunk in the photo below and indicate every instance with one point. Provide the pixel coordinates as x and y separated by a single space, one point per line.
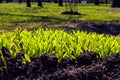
55 1
20 1
48 0
60 3
106 1
0 1
96 2
7 1
28 3
79 1
115 3
40 3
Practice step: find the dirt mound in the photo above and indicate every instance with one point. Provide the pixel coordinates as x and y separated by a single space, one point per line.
88 66
107 29
110 29
71 13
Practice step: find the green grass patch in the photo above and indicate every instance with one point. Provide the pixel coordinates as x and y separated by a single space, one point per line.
14 13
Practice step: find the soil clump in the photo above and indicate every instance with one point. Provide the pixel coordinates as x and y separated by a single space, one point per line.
71 13
106 29
88 66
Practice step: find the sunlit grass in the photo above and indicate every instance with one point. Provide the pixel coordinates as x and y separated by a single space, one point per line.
19 13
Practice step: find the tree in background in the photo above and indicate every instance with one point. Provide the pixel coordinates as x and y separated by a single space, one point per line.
60 3
115 3
79 1
20 1
7 1
71 7
28 2
96 2
55 1
0 1
40 3
48 1
106 1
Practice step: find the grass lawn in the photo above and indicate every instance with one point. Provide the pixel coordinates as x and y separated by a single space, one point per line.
14 15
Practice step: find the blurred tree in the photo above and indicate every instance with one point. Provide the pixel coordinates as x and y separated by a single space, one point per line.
106 1
7 1
20 1
79 1
40 3
28 2
60 3
0 1
55 1
96 2
115 3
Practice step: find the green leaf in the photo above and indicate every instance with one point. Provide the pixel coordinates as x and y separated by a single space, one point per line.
27 57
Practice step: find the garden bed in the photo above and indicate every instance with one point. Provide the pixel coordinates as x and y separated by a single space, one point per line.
88 66
72 53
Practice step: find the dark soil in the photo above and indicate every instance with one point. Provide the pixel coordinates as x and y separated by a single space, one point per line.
88 66
100 27
71 13
107 29
110 29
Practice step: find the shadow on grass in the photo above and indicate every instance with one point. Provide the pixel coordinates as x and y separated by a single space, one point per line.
32 18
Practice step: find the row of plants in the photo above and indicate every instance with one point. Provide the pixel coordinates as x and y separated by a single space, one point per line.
59 43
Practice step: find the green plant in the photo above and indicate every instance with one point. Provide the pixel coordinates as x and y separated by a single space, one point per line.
59 43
